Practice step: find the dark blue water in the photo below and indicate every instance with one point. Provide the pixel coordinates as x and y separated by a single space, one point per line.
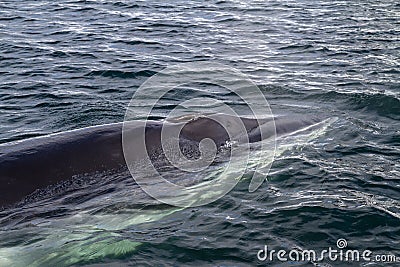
70 64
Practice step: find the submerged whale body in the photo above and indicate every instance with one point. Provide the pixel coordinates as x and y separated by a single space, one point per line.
36 163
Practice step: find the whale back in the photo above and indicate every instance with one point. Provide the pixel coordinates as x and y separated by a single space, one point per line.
36 163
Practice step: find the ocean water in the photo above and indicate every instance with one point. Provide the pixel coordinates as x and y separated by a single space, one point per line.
70 64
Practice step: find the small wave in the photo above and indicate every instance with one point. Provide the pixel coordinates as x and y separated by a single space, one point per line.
125 5
296 47
121 74
139 42
10 18
384 104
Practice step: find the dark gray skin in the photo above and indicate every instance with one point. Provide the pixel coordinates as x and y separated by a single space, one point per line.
36 163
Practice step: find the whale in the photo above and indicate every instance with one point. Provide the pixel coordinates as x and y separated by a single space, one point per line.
35 163
101 209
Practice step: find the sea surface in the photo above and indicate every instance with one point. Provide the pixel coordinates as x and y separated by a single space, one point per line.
70 64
